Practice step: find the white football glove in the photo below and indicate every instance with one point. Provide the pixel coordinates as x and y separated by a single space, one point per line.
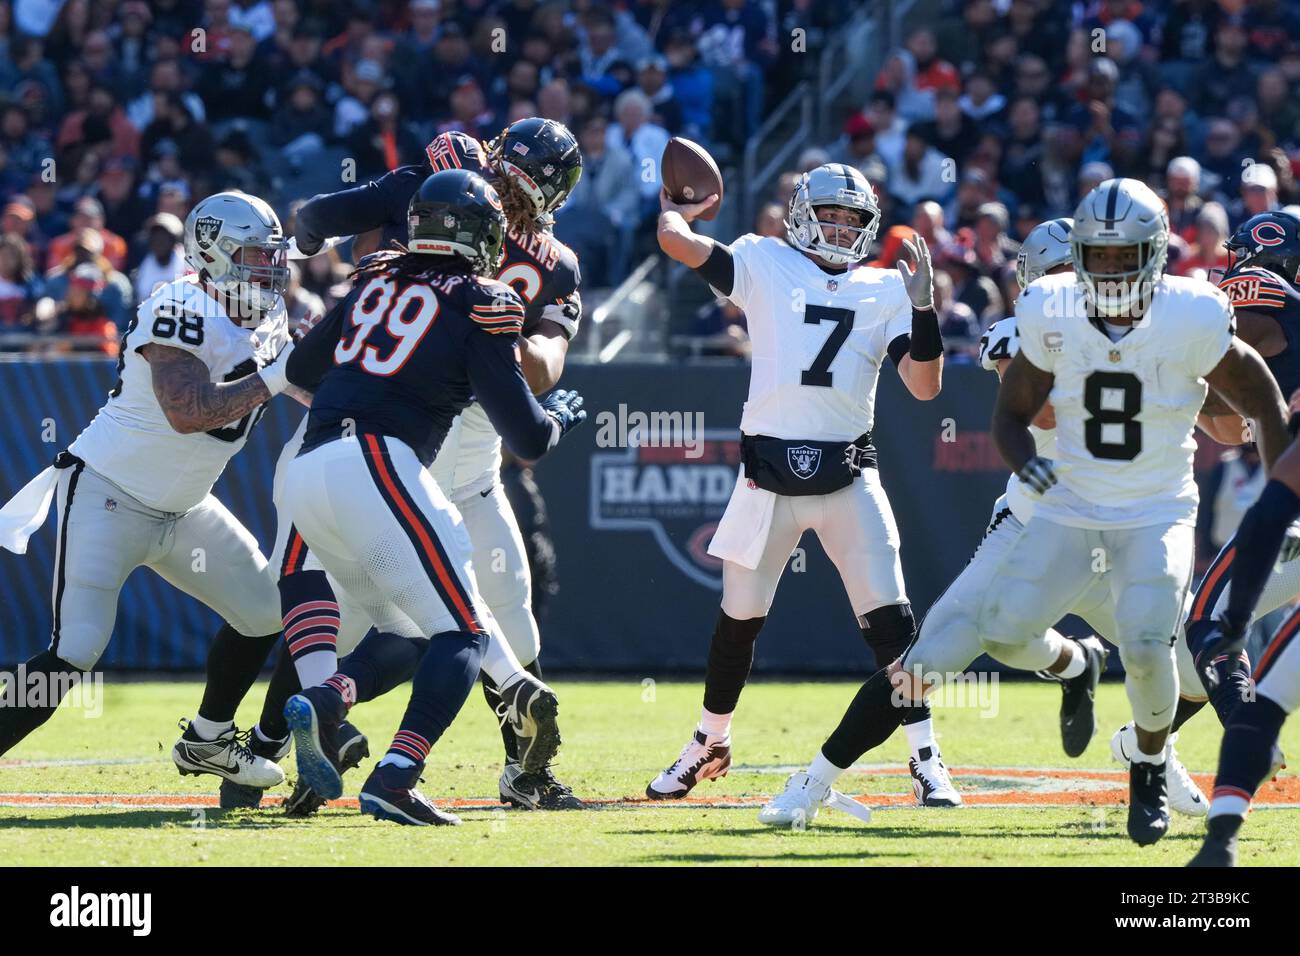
1038 473
919 281
275 375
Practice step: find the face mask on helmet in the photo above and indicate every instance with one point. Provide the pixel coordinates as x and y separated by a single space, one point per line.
258 273
836 243
1119 279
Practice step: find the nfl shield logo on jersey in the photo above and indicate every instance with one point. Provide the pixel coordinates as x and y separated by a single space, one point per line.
804 460
206 230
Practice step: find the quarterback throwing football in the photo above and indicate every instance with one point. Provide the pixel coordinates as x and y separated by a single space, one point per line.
822 325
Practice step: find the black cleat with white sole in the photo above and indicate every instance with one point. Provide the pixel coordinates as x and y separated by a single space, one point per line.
1078 696
536 791
1148 802
389 793
530 707
353 748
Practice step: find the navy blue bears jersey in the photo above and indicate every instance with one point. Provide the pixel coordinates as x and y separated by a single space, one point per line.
402 355
1259 290
539 267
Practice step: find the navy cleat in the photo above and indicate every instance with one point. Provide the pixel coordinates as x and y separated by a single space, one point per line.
390 794
1220 846
315 717
1148 804
353 748
242 796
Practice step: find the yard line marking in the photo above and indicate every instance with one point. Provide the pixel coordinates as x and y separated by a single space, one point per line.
78 762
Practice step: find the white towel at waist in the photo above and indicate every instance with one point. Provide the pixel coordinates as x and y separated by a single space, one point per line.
742 532
26 510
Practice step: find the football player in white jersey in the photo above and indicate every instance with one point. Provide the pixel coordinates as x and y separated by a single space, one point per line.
822 325
199 360
949 641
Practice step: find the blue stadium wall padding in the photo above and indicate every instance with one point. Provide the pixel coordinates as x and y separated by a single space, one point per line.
631 525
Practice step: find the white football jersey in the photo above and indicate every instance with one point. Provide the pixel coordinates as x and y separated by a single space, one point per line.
818 338
131 443
1002 342
1126 410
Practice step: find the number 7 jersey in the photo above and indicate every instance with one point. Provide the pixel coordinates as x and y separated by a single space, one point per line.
131 443
1126 409
818 337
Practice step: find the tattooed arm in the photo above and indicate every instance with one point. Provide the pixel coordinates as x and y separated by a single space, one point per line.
188 397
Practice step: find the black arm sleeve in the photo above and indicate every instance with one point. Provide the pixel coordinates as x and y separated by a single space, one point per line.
360 209
927 343
499 386
313 355
1259 538
719 270
899 347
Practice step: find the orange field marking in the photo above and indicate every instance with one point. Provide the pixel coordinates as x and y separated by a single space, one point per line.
980 786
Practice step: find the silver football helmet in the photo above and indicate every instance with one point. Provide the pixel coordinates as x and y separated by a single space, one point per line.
1046 247
235 242
834 184
1121 212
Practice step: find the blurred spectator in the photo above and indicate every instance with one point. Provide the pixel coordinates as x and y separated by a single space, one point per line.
1271 27
643 140
969 286
652 80
237 166
857 147
995 251
735 39
951 131
1207 251
79 315
384 142
164 77
1181 196
1258 192
1223 156
115 295
88 215
165 258
469 112
1279 110
26 150
604 208
915 73
959 325
20 286
1022 159
890 129
175 134
982 101
1108 133
692 84
298 302
1034 79
298 124
927 221
1226 73
922 172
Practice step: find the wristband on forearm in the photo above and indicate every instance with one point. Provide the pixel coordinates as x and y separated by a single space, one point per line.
927 343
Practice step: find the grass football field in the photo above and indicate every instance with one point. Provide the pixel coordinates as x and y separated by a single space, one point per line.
90 792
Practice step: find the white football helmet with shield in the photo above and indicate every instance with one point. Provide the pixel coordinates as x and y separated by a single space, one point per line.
834 184
1121 212
1046 247
236 244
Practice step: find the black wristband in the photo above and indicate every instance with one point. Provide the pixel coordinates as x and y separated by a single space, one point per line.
927 343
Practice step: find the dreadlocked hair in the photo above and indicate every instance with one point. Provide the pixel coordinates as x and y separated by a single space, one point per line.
402 262
518 208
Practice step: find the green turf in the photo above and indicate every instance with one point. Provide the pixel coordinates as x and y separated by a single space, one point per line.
618 734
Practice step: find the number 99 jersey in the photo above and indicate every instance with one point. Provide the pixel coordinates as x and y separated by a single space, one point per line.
818 338
1126 409
131 443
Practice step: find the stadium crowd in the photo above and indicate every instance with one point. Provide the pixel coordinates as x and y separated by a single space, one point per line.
115 117
1003 113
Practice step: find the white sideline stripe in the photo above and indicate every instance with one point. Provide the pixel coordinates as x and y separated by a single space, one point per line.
78 762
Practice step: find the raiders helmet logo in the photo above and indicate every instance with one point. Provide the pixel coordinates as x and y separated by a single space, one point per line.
206 230
803 460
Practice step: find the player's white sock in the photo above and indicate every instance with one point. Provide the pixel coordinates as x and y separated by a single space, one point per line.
715 725
823 771
261 735
210 729
1140 757
499 660
317 667
1078 661
397 760
1228 805
921 735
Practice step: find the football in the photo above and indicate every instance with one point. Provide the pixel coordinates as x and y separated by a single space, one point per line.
690 174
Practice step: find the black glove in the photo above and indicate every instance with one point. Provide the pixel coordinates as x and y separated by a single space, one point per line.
565 408
1038 473
1226 639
